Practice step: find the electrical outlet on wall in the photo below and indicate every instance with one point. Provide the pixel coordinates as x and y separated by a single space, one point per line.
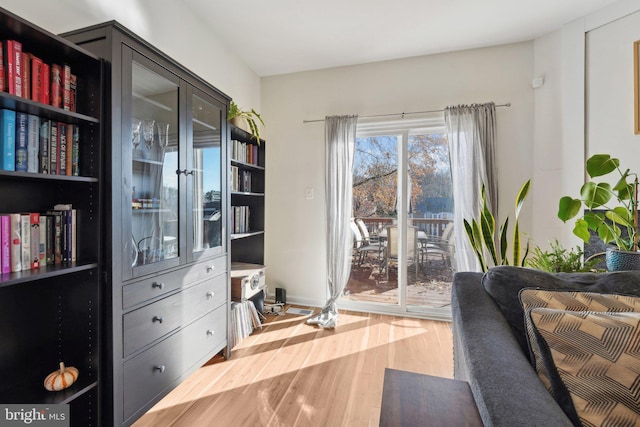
308 193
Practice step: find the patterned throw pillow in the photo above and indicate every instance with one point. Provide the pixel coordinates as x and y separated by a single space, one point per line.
593 362
573 301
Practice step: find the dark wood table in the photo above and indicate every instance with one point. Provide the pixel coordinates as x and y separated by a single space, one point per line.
410 399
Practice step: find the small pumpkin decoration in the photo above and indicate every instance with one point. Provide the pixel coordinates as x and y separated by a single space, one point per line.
61 379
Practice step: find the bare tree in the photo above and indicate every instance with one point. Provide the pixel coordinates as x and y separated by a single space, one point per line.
375 172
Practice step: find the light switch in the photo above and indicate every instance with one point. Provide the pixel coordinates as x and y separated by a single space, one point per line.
308 193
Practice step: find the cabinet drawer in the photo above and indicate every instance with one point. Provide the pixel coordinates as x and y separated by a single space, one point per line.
156 286
151 373
146 324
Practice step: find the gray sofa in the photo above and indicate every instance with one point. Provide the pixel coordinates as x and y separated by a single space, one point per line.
490 350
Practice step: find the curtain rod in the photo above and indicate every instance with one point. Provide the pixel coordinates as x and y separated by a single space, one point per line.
508 104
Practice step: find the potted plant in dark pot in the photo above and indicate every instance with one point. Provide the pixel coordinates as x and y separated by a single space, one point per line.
612 212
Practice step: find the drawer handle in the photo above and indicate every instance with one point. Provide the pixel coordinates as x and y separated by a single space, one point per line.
158 319
210 268
210 295
160 368
209 332
157 285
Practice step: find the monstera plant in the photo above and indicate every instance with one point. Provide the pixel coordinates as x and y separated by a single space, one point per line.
609 211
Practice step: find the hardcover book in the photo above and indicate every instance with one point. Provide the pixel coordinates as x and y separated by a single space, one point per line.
34 229
44 146
54 155
46 84
50 237
10 65
26 75
16 241
36 78
7 140
25 241
69 141
75 151
65 82
17 50
56 86
5 244
3 87
42 253
33 143
62 149
21 142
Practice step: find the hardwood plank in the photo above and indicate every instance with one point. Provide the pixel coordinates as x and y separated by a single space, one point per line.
290 373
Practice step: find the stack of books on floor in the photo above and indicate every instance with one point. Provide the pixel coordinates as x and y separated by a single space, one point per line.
244 319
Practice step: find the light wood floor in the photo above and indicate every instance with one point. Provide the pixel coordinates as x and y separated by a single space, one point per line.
293 374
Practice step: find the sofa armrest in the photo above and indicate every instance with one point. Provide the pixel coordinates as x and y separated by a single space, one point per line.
486 355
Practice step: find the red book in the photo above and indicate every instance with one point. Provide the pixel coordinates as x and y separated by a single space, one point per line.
36 79
17 50
2 85
11 66
46 84
26 75
65 82
56 86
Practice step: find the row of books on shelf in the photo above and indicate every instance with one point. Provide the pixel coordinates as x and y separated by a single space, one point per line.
32 240
24 74
244 152
240 219
240 180
29 143
244 318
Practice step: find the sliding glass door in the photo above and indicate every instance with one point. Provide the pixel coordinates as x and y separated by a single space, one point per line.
402 261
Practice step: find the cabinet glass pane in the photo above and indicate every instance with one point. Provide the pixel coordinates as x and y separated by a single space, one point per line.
207 188
154 145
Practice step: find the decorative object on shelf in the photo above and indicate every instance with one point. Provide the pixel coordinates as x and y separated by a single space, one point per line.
163 135
617 225
136 124
238 117
61 378
148 128
481 233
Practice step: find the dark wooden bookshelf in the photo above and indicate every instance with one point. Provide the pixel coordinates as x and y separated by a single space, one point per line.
52 314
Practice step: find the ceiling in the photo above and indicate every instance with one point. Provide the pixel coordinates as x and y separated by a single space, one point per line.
285 36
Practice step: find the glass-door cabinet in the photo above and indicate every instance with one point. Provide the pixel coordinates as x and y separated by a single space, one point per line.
173 174
153 172
206 216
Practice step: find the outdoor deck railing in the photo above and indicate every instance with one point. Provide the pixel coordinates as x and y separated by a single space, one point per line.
432 227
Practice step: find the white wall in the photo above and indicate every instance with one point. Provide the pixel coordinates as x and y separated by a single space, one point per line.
166 24
610 91
295 239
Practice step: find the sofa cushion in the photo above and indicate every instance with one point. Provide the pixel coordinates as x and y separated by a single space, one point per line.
503 284
570 301
593 360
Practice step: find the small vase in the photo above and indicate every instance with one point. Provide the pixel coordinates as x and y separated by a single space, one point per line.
618 260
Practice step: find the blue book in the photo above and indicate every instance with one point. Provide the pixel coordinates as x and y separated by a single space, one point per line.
7 140
21 142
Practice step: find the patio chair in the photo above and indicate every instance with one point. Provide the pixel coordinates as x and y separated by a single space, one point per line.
391 250
362 247
441 246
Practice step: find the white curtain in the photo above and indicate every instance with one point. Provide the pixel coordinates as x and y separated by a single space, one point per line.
471 130
340 136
